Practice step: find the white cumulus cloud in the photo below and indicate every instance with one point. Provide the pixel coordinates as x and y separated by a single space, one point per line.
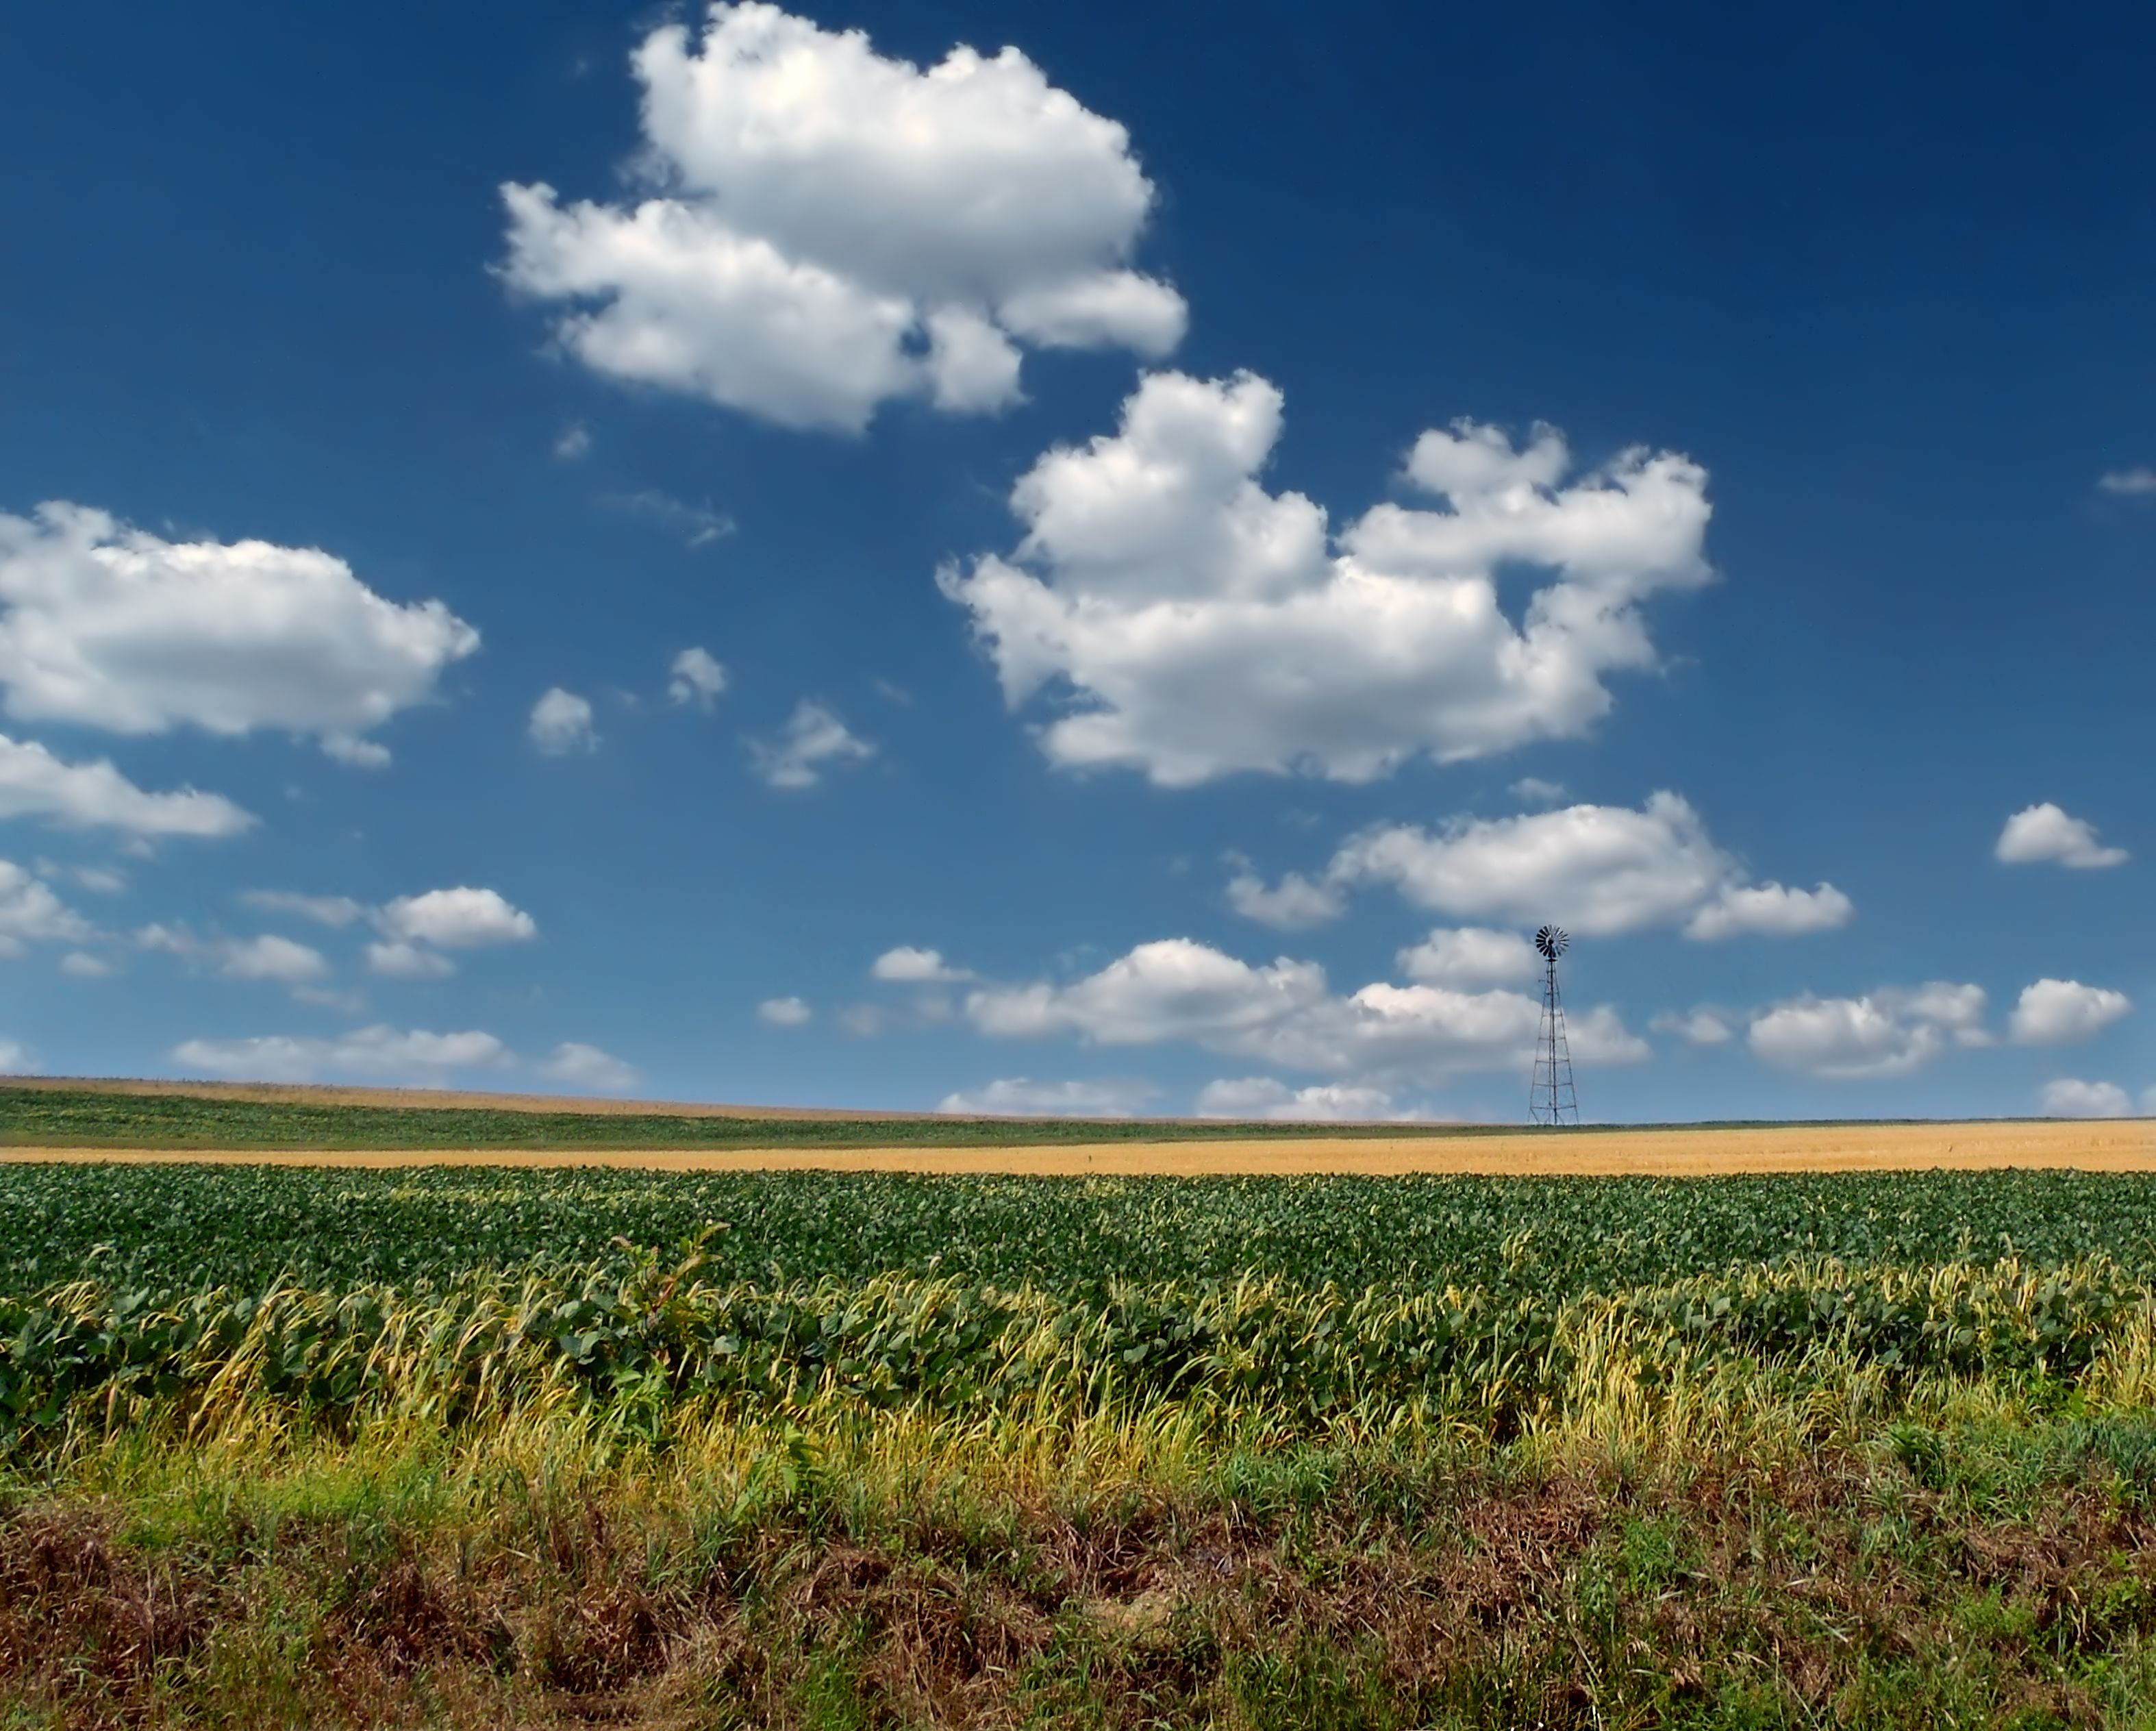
33 783
31 913
2040 833
1262 1096
1770 911
267 958
1705 1026
2059 1012
2067 1098
561 723
1199 625
1471 957
827 228
463 917
785 1012
697 678
916 967
1885 1032
575 1065
814 737
1597 870
460 918
1294 904
1021 1096
112 627
407 961
378 1051
1284 1014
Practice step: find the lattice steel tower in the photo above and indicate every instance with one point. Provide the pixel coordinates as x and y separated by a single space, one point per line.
1550 1098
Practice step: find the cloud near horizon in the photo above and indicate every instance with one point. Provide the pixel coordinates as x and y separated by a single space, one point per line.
1176 990
575 1065
2066 1097
376 1052
1888 1033
2062 1012
1597 870
1263 1097
1021 1096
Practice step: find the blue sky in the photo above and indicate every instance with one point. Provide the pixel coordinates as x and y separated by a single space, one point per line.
1102 559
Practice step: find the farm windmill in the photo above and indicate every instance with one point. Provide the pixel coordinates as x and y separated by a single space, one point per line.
1551 1100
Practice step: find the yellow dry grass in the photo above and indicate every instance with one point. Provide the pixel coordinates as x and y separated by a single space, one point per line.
2113 1146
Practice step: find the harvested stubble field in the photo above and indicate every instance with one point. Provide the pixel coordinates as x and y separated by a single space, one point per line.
292 1440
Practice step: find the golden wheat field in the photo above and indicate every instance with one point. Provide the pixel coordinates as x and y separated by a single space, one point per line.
2109 1146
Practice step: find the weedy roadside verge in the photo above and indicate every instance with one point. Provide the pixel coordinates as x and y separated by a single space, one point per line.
1735 1555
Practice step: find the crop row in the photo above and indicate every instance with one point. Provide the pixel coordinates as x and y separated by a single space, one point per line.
83 1357
330 1229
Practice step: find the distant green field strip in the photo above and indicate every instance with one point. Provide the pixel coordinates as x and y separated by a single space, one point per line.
54 1118
331 1227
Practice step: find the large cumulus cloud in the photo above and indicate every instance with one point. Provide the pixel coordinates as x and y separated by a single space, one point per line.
827 228
1195 624
113 627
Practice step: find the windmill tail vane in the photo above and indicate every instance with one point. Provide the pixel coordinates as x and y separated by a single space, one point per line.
1551 1100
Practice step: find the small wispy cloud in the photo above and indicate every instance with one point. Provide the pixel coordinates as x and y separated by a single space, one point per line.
697 678
698 525
815 737
561 723
337 911
2129 480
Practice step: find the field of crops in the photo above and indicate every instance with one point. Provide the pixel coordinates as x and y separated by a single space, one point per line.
331 1228
283 1444
1382 1300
